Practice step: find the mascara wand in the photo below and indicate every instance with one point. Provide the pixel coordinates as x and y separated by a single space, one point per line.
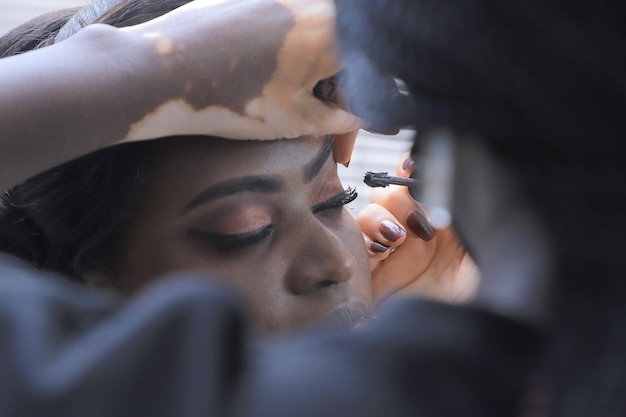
382 179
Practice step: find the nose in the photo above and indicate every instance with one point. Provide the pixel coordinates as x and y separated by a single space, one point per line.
321 260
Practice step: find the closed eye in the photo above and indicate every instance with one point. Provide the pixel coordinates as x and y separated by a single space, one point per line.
337 201
221 242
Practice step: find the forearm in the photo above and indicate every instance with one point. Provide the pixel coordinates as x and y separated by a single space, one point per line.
235 69
68 99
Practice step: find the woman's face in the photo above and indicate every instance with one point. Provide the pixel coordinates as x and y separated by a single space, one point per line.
267 217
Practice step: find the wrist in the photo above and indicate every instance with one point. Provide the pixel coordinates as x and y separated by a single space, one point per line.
139 75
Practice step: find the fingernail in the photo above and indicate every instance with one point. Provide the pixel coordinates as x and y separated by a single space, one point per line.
391 231
419 224
378 247
408 164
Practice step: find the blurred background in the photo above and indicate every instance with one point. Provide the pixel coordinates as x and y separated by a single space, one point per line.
14 12
372 153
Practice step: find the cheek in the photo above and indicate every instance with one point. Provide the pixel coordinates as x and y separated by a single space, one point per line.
350 233
258 276
260 282
258 279
154 256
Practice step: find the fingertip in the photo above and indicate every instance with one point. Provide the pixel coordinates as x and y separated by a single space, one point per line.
376 251
343 147
417 221
378 248
392 231
408 164
405 165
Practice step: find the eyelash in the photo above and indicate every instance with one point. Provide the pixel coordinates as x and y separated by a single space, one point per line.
219 242
226 242
347 196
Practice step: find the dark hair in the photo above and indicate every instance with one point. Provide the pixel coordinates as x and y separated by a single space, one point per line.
69 218
34 33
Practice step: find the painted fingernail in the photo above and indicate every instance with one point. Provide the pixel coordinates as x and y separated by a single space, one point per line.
408 164
378 247
419 224
391 231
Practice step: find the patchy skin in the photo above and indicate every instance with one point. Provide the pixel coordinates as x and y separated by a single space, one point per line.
240 75
253 93
247 79
256 94
195 122
164 46
293 59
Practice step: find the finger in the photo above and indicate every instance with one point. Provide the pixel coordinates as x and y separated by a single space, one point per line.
418 222
405 166
343 147
376 252
407 263
425 269
381 226
443 282
411 215
451 275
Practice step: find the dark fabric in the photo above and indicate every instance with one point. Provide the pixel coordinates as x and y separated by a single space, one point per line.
549 73
180 349
542 84
419 358
71 351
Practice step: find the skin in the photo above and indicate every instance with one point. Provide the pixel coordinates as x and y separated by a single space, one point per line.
204 88
499 227
414 262
260 87
306 259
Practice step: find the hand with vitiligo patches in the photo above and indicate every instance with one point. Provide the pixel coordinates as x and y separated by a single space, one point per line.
239 69
252 73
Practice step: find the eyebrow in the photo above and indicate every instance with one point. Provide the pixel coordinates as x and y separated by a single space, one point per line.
256 184
314 167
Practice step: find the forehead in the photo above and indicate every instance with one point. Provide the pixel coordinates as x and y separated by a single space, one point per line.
187 159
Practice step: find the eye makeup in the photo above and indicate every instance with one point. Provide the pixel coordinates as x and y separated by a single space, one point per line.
313 168
221 242
339 200
241 223
264 184
234 224
227 242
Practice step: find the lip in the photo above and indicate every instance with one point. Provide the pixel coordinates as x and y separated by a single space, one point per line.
348 316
